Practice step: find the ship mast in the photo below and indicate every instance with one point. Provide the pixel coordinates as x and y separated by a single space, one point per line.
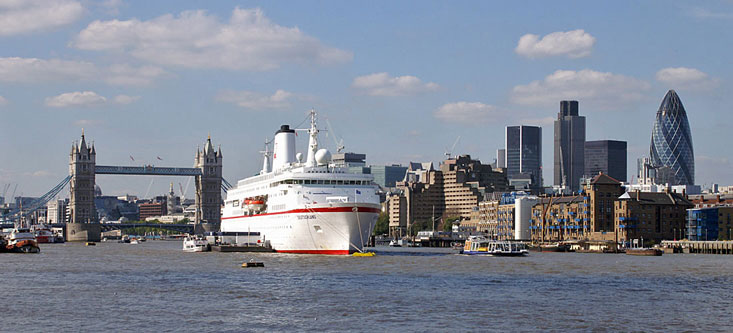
312 142
266 160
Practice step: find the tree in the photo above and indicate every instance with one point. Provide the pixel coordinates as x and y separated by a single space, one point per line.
448 222
382 226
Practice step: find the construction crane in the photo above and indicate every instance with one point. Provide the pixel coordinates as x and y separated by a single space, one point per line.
339 143
448 153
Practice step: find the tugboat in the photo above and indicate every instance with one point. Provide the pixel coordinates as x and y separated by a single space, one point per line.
22 240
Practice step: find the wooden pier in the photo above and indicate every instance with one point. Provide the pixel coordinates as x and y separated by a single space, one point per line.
702 247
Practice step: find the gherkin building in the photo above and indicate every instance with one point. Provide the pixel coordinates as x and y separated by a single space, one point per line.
671 145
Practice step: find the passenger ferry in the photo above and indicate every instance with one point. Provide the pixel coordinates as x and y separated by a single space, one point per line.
484 246
310 206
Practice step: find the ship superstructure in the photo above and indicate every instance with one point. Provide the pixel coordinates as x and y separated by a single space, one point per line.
309 206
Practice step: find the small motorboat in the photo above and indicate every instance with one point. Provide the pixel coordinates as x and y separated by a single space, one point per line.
134 241
637 249
44 234
195 244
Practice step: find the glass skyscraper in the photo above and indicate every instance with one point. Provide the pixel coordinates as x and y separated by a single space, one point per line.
569 146
671 144
523 149
607 156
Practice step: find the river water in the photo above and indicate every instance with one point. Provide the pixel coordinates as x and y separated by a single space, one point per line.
155 286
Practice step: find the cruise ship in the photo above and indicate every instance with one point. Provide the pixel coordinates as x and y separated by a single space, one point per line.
310 206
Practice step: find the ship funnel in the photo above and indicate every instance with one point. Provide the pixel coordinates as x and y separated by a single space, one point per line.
284 148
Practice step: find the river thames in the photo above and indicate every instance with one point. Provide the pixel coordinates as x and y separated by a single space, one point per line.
154 286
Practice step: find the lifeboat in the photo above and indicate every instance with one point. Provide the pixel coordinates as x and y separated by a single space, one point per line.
254 204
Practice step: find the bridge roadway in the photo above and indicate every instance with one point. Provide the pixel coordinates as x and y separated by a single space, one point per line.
182 228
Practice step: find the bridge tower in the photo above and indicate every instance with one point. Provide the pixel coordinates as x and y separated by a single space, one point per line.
82 224
208 188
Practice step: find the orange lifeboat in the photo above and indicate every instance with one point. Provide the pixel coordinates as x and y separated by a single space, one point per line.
254 204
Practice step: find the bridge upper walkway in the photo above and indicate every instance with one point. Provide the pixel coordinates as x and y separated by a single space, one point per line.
146 170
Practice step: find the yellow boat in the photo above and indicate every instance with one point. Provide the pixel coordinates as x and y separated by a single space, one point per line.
363 254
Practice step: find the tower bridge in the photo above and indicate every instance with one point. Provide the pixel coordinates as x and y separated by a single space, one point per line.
83 168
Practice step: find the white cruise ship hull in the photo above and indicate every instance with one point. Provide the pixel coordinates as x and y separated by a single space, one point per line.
317 229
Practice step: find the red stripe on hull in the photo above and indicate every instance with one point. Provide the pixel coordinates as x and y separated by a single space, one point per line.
335 252
313 210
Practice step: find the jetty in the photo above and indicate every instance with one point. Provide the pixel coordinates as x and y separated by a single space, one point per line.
702 247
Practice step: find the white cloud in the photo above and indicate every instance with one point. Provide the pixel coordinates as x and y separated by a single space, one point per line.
124 99
34 70
41 173
195 39
381 84
465 112
687 78
77 98
3 101
24 16
31 70
599 88
703 13
86 98
126 75
254 100
87 122
572 44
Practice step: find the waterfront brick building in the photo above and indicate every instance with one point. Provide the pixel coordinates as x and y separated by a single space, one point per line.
650 215
603 191
587 216
561 218
453 190
499 215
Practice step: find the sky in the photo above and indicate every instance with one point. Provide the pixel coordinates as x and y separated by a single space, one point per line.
400 81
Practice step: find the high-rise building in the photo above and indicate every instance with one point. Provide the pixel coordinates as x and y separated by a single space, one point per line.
607 156
454 190
387 176
523 146
569 146
671 144
349 159
501 158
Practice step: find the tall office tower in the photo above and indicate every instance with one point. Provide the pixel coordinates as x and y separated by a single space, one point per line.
523 146
607 156
569 146
671 145
501 158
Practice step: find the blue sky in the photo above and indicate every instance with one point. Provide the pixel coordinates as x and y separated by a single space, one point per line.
399 81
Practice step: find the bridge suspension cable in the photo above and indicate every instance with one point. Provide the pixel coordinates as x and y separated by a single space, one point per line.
38 203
